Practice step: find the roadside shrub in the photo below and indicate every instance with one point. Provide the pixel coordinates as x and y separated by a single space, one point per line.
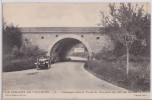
107 69
15 52
8 57
140 75
138 49
19 64
105 54
111 56
21 59
114 72
119 50
133 58
30 50
12 36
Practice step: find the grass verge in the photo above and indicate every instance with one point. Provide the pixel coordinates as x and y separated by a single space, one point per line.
138 79
18 64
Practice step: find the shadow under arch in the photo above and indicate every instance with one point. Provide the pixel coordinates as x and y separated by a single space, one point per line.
66 37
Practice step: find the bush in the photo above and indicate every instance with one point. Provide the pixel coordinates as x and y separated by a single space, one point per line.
111 56
140 75
30 50
105 54
139 50
119 50
133 58
115 72
21 59
107 69
12 36
15 52
19 64
136 49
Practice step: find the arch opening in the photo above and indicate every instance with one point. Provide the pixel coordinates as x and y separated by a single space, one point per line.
60 50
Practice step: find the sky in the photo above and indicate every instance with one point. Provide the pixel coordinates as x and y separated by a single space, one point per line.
54 14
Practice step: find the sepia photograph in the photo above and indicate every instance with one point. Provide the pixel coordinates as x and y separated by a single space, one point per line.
91 50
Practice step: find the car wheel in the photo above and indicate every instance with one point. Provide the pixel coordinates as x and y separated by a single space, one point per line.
47 66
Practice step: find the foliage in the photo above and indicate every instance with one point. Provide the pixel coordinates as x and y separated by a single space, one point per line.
119 49
11 37
105 54
126 19
30 50
15 51
18 64
138 49
135 59
137 80
16 55
126 23
21 59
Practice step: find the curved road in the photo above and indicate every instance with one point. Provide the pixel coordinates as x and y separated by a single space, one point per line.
61 76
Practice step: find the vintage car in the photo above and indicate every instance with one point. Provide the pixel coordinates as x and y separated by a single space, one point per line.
42 63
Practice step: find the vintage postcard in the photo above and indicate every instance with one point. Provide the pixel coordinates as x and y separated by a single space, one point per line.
92 50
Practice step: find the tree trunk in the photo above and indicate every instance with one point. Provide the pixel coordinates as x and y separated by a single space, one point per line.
127 61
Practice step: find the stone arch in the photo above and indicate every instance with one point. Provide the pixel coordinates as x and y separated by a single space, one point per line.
69 36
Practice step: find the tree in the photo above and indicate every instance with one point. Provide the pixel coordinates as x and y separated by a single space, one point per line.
126 23
11 37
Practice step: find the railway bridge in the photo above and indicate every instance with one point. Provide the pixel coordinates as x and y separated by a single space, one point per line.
60 40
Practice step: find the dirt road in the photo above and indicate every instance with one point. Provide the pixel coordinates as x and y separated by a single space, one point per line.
61 76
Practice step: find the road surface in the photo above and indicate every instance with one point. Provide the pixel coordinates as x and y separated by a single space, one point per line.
61 76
